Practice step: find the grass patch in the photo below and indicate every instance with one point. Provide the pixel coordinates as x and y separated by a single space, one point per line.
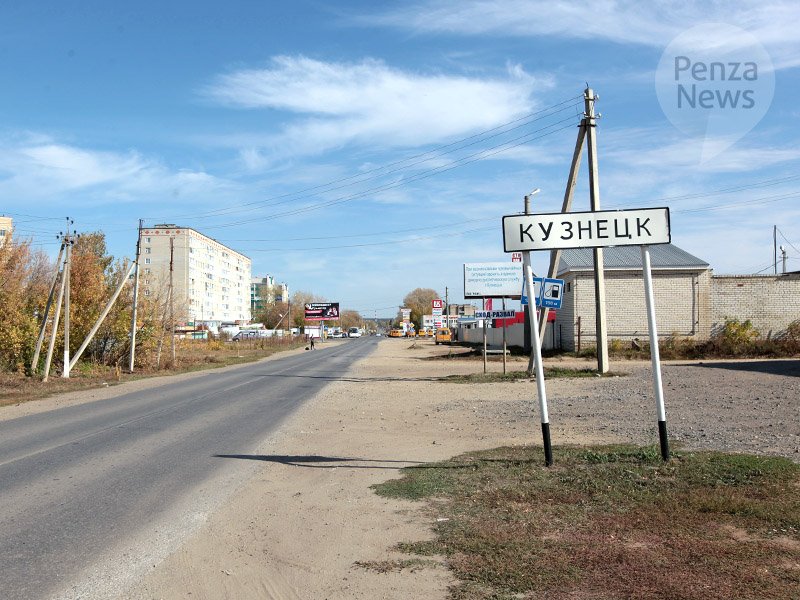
611 522
389 566
549 373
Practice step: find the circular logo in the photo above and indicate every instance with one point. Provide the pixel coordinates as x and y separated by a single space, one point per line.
715 82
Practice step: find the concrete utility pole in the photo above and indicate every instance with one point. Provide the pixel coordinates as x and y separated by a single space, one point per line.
172 297
69 240
569 193
784 256
135 298
43 327
54 331
775 248
529 335
594 196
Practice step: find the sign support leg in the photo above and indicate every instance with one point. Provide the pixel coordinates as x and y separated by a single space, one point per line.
537 350
484 337
654 355
504 339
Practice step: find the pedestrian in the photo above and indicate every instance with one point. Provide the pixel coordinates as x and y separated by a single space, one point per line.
312 342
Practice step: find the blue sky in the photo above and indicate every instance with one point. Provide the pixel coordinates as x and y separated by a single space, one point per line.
360 150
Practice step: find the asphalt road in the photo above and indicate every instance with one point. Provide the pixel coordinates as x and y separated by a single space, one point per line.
91 495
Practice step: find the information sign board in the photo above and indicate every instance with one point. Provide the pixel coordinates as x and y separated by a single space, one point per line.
492 280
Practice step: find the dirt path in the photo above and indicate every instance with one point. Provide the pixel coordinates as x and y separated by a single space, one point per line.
298 529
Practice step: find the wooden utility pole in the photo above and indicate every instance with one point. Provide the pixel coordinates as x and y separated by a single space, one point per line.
135 298
594 196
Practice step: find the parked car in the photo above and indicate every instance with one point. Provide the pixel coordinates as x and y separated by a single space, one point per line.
443 336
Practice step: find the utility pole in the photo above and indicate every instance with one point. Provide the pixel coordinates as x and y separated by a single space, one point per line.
784 256
526 332
775 248
528 343
43 327
446 308
594 196
135 298
172 297
54 331
569 193
69 240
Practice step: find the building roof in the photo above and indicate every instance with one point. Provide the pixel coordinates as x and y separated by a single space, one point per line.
623 258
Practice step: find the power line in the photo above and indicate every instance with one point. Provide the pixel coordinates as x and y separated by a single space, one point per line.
787 241
394 167
469 159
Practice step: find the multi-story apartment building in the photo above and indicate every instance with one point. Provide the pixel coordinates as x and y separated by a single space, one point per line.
265 291
6 225
211 281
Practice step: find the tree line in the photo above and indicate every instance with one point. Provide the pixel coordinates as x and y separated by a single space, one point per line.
26 276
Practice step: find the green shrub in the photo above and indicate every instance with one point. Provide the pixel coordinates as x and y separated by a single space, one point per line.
736 338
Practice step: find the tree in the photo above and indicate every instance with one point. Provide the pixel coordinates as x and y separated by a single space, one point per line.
94 276
420 302
351 318
272 315
24 284
299 300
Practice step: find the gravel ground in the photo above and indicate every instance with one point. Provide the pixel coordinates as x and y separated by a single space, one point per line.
735 406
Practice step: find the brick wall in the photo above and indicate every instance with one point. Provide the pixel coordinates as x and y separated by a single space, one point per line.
770 302
682 305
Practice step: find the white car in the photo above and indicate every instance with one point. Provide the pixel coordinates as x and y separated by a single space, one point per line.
354 332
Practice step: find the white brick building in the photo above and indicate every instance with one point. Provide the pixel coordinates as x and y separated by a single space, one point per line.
689 300
211 281
6 227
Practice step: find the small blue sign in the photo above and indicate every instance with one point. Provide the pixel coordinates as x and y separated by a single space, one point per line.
548 292
552 292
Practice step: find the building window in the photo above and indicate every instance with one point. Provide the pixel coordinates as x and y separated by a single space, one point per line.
147 240
147 250
147 261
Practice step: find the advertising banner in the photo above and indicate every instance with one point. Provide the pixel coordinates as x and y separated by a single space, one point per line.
492 280
322 311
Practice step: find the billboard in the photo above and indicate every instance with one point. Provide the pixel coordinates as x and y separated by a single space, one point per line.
322 311
492 280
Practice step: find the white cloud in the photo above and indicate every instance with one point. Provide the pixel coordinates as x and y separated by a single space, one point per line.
370 102
653 23
638 149
39 167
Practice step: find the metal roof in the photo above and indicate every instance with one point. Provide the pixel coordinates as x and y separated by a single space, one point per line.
663 256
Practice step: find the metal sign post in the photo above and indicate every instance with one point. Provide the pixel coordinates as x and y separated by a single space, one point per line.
537 351
654 355
634 227
505 346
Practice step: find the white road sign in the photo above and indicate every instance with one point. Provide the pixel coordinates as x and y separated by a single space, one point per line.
636 227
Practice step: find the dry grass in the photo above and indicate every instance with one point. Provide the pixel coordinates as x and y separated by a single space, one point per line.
612 522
